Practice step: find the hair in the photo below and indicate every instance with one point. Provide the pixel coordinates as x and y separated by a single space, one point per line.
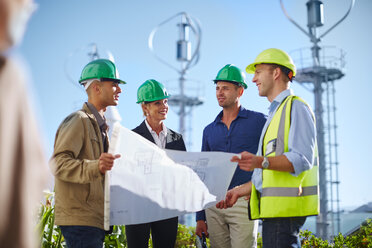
285 71
236 84
145 103
142 106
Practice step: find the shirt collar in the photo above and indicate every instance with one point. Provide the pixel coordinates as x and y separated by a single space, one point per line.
100 119
164 131
242 113
279 98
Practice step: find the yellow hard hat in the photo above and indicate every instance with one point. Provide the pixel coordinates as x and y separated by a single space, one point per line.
272 56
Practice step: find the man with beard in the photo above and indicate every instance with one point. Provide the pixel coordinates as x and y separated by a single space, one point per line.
80 159
234 130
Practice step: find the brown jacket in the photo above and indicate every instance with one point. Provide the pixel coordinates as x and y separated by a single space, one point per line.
79 185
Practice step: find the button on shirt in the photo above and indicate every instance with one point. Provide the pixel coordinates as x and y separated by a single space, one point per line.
160 139
301 139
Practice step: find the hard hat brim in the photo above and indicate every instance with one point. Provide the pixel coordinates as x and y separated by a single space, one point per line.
244 85
120 81
251 68
154 99
112 79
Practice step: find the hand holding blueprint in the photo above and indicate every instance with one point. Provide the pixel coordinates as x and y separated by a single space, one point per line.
149 184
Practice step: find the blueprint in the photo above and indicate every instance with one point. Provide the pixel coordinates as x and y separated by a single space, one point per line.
148 183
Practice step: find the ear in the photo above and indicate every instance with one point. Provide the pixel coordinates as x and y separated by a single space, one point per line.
96 88
277 73
241 91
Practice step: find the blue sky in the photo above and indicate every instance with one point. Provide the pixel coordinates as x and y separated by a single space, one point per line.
59 34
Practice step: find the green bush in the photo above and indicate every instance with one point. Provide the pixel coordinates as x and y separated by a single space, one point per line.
185 238
117 238
361 239
309 240
50 234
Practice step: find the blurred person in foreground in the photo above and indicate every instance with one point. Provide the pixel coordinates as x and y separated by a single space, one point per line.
23 165
153 98
235 129
284 187
81 159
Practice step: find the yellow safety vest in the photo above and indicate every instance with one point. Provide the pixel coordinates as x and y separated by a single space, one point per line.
284 195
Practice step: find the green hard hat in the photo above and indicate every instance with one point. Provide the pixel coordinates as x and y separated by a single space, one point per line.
101 69
151 90
231 73
273 56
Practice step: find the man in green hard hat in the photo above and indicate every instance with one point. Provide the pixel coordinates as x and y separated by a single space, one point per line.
235 129
284 188
81 159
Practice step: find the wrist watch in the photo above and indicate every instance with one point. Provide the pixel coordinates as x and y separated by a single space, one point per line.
265 163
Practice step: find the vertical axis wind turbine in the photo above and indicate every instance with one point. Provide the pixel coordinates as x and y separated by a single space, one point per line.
187 60
319 75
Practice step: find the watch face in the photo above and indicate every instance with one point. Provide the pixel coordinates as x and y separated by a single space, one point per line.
265 163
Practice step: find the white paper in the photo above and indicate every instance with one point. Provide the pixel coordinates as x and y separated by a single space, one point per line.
150 184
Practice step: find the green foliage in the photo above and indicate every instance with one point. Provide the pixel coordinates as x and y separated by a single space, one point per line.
259 241
361 239
309 240
186 237
50 234
116 239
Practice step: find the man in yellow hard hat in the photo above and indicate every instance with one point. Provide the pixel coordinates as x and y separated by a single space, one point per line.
284 187
235 129
81 159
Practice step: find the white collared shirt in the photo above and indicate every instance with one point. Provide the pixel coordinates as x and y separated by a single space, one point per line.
160 139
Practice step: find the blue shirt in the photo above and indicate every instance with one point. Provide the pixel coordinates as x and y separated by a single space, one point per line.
243 135
301 139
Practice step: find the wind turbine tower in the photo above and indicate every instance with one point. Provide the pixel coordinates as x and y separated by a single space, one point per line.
187 59
320 75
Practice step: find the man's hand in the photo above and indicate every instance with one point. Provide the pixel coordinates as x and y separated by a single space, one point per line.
231 197
106 161
201 227
233 194
247 161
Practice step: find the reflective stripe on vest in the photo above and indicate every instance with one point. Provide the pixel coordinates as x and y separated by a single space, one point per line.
284 195
289 192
